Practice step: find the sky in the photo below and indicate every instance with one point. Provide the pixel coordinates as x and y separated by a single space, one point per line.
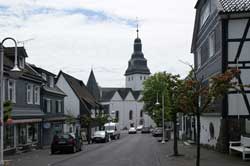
76 36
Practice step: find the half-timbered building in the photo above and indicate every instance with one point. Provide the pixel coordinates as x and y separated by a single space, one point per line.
221 40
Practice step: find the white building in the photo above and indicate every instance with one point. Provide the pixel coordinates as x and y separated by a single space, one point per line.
124 104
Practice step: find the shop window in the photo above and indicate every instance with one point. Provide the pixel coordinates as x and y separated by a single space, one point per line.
22 134
8 136
32 133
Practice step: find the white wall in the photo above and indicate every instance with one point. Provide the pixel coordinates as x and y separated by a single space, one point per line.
124 106
137 82
71 101
205 138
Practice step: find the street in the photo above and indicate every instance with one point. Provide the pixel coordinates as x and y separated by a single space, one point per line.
130 150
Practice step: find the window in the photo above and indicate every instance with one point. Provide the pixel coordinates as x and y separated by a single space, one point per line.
22 134
128 78
141 114
37 95
247 126
29 94
8 136
132 78
199 58
51 81
205 12
117 116
32 132
58 106
21 62
140 77
130 115
47 105
12 91
144 77
211 44
44 76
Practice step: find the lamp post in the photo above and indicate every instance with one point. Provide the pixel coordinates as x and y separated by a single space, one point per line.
15 70
163 126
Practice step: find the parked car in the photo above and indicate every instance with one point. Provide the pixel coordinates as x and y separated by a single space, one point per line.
132 130
139 128
100 136
145 130
66 142
112 130
157 132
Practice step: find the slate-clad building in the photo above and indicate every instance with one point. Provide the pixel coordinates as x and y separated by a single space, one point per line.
221 40
78 103
24 94
52 104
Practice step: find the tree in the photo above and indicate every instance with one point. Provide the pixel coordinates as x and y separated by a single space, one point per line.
166 85
7 110
197 95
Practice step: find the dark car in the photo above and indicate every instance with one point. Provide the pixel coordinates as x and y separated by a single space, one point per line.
100 136
157 132
66 143
145 130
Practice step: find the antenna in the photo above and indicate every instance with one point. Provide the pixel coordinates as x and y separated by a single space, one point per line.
25 41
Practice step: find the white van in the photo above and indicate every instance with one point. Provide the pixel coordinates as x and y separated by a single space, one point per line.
113 130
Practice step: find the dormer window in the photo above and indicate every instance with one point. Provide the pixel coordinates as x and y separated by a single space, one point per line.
205 12
21 62
51 81
44 76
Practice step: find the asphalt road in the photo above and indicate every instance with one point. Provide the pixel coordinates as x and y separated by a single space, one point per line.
130 150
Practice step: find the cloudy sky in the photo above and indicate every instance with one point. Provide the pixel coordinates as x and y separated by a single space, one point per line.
77 35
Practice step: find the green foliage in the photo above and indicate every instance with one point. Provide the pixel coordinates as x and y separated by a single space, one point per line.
7 110
160 85
101 120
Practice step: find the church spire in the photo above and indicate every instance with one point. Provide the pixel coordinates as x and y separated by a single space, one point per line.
137 25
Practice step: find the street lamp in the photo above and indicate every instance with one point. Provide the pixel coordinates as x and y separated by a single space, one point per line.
15 71
163 126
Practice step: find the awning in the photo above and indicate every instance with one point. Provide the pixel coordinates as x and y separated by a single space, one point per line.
26 121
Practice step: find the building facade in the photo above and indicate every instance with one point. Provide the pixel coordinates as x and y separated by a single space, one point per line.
23 93
52 104
220 42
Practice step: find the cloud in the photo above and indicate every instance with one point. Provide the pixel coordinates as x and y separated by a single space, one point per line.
77 34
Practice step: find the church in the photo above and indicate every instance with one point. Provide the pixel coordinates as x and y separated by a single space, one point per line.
123 103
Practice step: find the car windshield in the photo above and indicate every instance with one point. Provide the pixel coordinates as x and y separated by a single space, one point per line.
64 136
99 133
109 127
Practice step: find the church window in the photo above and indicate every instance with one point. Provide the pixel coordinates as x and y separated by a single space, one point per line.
117 116
130 115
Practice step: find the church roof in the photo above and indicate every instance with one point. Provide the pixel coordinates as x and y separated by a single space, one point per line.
108 93
137 64
93 86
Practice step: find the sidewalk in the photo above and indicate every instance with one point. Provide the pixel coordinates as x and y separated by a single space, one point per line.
42 157
208 157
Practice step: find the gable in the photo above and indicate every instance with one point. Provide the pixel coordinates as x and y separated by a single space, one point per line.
116 97
130 97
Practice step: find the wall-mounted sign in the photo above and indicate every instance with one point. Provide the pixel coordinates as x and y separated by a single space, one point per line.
46 125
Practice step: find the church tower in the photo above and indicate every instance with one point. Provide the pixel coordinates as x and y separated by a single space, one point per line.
137 70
